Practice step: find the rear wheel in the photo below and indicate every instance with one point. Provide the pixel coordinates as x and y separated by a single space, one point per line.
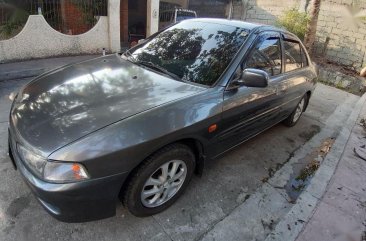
160 180
296 114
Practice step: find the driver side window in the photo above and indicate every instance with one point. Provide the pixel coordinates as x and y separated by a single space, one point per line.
266 55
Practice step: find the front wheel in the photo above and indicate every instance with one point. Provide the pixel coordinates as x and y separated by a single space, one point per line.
296 114
159 181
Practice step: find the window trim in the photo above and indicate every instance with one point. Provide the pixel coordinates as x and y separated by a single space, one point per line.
291 37
277 33
245 57
302 51
267 34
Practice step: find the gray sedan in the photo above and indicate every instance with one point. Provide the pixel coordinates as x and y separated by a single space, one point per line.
137 126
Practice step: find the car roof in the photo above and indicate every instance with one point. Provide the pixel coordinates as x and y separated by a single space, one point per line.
235 23
253 27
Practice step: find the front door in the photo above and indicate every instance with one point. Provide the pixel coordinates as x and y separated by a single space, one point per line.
247 110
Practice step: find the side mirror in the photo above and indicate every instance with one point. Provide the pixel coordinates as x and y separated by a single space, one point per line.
252 78
141 41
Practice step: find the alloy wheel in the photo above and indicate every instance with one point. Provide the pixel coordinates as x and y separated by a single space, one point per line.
164 183
299 110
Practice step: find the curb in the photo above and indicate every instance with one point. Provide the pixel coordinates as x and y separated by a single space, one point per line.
22 74
314 192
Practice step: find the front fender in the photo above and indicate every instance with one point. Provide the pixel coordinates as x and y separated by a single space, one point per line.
120 147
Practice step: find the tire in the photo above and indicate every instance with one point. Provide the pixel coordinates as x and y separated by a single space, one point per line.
161 190
296 114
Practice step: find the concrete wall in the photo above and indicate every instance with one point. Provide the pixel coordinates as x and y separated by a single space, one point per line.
114 26
152 18
183 3
263 11
204 8
347 38
38 39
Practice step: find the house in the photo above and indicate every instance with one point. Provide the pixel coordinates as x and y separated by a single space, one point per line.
66 27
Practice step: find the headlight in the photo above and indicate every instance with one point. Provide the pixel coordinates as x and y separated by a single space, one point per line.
35 162
64 172
52 171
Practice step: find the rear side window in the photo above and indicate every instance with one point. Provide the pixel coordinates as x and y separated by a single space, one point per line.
266 56
295 56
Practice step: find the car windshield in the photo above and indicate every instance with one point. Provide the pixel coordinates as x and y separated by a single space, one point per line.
196 51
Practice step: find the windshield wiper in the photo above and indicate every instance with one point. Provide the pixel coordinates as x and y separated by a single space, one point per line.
129 56
159 68
150 65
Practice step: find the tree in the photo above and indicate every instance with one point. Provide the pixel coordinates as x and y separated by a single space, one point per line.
14 16
294 21
310 33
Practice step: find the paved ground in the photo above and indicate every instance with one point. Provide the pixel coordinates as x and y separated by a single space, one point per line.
341 213
226 184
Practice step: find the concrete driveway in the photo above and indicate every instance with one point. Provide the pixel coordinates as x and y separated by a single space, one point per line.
226 183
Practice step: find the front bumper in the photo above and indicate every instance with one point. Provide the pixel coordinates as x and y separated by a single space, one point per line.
72 202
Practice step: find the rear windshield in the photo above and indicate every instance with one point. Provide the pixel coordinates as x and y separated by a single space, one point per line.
195 51
182 15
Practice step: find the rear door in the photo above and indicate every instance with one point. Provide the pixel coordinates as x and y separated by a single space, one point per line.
247 110
296 64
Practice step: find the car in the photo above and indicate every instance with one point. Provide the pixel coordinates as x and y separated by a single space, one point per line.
137 126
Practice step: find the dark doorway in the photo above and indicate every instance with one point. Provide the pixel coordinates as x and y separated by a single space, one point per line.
133 21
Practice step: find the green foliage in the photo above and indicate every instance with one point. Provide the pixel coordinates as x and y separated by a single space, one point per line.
294 21
18 17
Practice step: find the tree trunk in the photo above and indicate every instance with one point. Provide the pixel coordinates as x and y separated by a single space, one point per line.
230 14
244 8
310 33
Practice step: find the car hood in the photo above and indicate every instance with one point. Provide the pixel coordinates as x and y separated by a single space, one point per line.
68 103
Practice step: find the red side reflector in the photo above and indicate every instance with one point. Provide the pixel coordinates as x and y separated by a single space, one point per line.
212 128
